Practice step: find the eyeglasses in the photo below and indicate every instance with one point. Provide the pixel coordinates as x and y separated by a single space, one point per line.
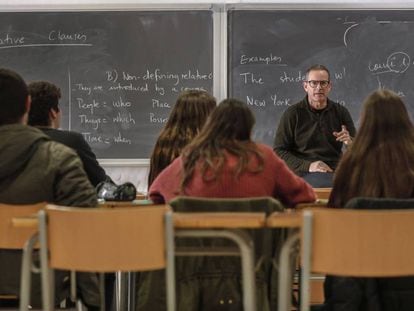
314 83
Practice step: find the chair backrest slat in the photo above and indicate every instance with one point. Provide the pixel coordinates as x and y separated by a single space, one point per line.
11 236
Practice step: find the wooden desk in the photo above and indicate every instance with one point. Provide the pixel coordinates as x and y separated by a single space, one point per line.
141 196
317 204
288 219
322 193
114 204
219 220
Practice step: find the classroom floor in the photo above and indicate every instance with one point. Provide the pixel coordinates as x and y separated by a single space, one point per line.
13 305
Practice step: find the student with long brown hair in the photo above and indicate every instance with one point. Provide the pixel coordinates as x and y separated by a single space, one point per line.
379 164
185 121
223 161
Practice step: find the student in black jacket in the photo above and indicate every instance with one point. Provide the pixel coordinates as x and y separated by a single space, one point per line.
45 115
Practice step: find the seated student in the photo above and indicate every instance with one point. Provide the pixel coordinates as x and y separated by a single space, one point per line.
33 169
187 117
379 164
222 161
45 115
185 121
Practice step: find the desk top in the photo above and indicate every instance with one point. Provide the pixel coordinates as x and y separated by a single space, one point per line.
322 193
112 204
288 219
219 220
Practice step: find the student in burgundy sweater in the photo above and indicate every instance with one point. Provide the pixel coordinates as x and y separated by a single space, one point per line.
223 162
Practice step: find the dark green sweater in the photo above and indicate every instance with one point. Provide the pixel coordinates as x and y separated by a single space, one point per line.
305 135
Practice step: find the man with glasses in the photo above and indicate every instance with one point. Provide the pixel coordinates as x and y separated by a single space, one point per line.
311 133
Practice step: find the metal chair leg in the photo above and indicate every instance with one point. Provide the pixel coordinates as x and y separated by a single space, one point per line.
285 277
306 266
46 272
170 269
26 276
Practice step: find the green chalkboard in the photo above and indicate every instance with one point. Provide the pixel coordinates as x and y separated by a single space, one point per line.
120 72
270 50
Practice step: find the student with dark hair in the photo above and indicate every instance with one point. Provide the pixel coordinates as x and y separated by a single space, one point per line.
311 133
222 161
185 121
35 169
45 114
379 164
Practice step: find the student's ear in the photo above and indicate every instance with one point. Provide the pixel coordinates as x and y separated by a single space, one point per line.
54 117
27 104
305 86
53 114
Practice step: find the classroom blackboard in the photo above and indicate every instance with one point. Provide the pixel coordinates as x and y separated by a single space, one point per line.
270 50
120 72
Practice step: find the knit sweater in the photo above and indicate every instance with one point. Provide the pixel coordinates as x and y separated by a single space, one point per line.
275 180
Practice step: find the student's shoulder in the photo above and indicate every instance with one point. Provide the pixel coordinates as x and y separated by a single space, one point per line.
70 134
69 138
57 150
54 156
268 153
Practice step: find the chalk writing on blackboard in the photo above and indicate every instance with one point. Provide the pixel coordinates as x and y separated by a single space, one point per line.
118 109
120 72
270 50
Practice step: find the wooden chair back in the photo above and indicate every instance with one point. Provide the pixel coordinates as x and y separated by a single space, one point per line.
14 230
362 243
356 243
104 240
